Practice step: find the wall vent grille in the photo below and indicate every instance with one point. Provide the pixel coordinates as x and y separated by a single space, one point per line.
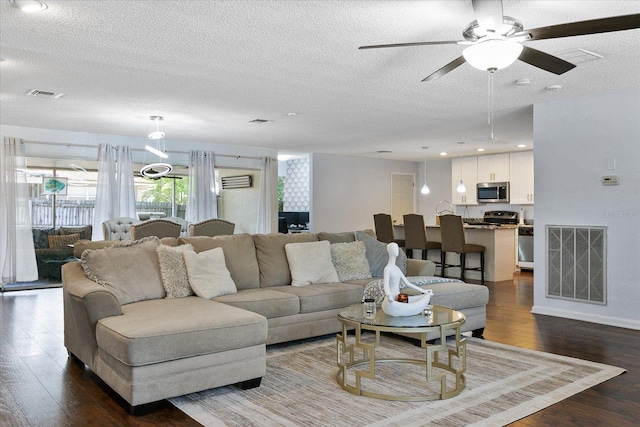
230 182
576 263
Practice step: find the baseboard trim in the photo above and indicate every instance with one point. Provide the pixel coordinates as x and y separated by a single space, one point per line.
585 317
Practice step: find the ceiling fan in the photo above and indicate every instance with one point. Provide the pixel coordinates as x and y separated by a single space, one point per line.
496 41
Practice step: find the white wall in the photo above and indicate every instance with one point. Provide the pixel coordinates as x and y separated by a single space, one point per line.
347 191
576 143
439 182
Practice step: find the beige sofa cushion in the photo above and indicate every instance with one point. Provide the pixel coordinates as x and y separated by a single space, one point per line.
345 237
161 330
324 296
239 256
266 302
130 270
272 258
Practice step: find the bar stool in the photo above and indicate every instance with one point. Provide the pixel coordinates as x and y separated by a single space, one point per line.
453 240
384 229
415 235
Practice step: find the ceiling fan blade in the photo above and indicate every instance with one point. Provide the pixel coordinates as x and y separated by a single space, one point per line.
581 28
488 13
447 68
378 46
543 60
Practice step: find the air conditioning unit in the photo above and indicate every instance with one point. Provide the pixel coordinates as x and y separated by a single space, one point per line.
242 181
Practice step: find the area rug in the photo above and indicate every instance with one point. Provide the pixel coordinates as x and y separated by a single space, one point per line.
503 384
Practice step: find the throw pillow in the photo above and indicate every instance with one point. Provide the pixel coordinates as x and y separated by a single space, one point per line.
174 270
41 237
208 273
84 232
350 261
130 270
377 254
310 263
63 242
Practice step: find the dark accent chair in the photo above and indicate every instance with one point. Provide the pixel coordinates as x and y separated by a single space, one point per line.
384 229
415 235
453 240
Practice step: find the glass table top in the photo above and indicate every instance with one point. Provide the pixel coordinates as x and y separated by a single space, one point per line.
439 315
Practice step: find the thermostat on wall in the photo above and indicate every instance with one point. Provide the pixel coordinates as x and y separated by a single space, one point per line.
610 180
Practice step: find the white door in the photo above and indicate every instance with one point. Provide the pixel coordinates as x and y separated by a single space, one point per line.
402 196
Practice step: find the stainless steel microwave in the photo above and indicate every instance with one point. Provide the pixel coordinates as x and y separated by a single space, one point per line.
493 192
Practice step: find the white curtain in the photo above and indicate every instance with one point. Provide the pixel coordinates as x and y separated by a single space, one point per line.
202 197
17 254
124 182
115 192
267 197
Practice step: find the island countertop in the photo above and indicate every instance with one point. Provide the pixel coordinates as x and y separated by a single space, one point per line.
500 257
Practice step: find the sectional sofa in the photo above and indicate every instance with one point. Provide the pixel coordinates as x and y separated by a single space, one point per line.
150 340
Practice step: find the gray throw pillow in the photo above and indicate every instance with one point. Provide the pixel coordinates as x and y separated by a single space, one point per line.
377 255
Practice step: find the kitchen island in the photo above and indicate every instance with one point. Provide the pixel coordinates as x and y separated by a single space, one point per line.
500 241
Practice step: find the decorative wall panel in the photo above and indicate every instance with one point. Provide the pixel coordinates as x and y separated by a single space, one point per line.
296 186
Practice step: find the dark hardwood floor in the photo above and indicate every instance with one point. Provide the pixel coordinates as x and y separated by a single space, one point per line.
39 385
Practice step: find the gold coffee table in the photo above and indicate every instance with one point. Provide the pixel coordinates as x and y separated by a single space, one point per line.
442 319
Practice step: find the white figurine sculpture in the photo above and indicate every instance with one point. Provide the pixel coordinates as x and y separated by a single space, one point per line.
392 278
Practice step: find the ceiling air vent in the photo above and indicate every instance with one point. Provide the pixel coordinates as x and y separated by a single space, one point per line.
578 56
230 182
44 93
259 121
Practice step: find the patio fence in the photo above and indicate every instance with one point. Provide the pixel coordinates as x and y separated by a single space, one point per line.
72 213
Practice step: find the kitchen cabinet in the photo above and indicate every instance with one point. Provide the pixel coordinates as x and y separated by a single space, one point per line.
465 168
493 168
521 183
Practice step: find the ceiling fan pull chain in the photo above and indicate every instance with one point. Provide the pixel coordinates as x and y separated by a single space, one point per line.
491 102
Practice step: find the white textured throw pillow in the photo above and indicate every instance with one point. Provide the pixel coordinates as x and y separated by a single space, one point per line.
310 263
350 260
208 273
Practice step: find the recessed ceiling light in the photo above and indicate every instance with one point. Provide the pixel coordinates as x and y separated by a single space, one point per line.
522 145
480 150
523 82
284 157
292 114
554 87
29 5
444 153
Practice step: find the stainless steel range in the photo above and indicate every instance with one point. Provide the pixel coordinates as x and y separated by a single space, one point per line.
500 218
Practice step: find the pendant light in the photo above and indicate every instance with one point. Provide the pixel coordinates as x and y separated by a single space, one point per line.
160 168
425 187
461 187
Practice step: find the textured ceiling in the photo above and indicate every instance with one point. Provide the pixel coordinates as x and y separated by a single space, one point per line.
210 67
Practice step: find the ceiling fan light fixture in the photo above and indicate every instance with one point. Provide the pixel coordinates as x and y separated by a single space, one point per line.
495 53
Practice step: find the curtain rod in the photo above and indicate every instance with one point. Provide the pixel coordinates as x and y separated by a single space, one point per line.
62 144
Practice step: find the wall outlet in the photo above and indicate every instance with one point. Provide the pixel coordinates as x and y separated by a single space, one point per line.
610 180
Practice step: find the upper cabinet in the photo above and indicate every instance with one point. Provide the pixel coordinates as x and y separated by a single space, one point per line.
493 168
521 185
465 169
